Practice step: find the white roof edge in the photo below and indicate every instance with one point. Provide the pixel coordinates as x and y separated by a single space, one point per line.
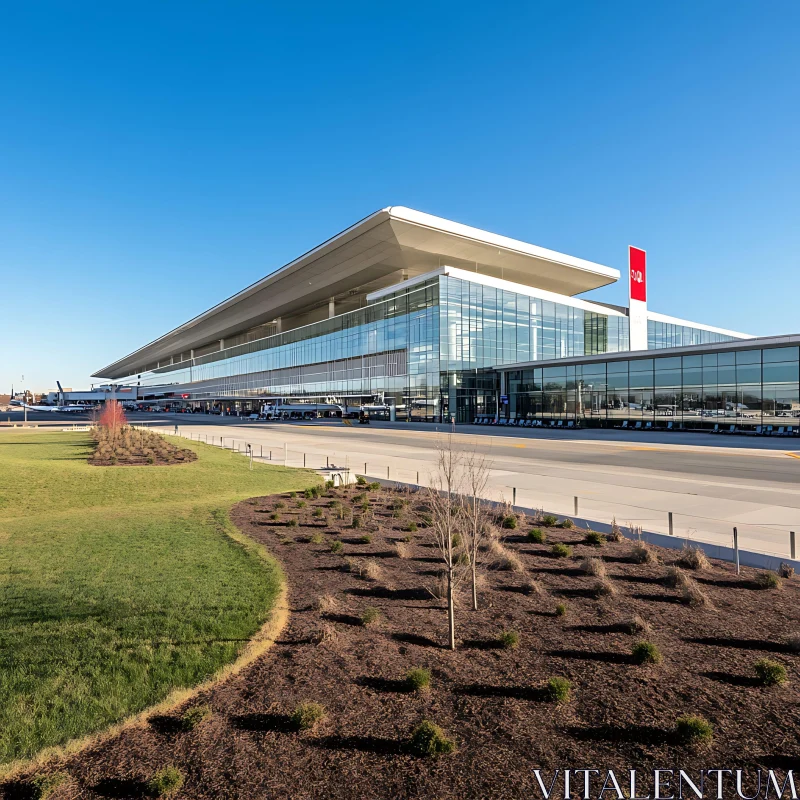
656 317
497 283
496 240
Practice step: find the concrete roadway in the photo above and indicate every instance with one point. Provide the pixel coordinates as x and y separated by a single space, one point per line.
710 482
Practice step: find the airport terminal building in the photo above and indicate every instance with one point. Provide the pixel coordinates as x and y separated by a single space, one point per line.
432 319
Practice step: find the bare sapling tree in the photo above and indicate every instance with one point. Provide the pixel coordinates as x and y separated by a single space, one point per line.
447 523
477 526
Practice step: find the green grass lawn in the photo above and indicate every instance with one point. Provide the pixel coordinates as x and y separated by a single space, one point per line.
119 584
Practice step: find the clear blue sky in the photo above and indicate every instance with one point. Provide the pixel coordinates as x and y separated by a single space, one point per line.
155 158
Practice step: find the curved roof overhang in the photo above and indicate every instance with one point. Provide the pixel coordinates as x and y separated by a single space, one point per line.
389 246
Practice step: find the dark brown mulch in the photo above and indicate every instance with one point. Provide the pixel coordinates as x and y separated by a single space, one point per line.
173 455
487 698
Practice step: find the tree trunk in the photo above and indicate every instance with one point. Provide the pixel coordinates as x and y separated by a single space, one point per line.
451 610
474 586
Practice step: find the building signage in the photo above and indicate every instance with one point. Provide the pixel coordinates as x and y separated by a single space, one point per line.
637 261
637 295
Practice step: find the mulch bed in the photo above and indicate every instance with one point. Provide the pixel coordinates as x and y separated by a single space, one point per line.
487 698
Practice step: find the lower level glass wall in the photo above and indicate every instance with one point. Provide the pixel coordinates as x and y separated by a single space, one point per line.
736 388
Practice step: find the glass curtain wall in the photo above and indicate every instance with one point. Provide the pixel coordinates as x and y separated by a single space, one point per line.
668 334
744 388
483 326
387 351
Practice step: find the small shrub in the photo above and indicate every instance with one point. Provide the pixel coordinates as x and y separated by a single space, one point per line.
336 546
292 523
693 730
167 782
402 550
317 538
616 532
374 486
292 495
194 716
306 716
357 521
533 587
361 481
641 553
693 595
567 524
327 603
370 616
509 640
561 550
365 539
372 570
44 786
595 538
635 625
418 679
604 588
429 740
646 653
561 610
317 512
676 578
537 536
593 566
506 560
411 527
559 690
509 522
769 672
549 521
768 580
329 485
324 633
275 516
785 570
301 504
692 558
280 504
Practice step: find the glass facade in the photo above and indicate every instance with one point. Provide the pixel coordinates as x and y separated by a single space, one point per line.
423 349
744 388
669 334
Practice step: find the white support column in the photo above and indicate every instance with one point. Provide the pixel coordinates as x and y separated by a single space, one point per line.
279 327
221 344
331 307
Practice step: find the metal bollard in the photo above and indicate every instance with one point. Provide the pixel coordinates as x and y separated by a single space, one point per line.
417 477
670 522
736 548
576 505
792 549
513 495
387 473
304 460
327 462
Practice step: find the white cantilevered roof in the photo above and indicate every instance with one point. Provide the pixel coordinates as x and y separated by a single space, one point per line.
383 249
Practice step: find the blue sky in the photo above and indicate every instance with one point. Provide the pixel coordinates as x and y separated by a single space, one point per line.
155 158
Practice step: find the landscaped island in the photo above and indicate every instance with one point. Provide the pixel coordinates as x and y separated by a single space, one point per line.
585 653
118 585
